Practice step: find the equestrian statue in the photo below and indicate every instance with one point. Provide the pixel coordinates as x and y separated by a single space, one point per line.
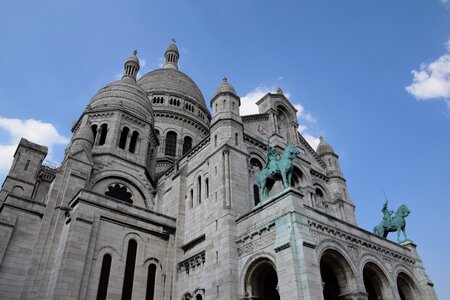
392 223
276 169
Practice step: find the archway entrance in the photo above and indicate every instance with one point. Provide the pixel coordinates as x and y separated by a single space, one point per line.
261 281
337 276
406 287
376 283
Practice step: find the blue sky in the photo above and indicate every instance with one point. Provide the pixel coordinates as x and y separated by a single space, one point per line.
372 77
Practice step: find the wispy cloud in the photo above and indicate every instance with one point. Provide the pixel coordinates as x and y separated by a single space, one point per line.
249 107
33 130
432 81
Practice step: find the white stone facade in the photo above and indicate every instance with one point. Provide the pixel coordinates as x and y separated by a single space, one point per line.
156 198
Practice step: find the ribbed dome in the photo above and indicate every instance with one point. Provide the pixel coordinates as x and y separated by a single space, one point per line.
225 87
125 94
173 82
324 147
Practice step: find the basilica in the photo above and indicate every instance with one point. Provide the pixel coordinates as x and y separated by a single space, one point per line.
157 197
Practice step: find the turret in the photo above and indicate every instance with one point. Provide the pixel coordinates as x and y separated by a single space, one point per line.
330 158
226 103
340 198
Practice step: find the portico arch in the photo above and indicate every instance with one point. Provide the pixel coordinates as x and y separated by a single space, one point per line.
406 287
261 280
376 283
338 278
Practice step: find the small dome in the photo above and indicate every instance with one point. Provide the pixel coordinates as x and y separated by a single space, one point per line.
225 87
123 93
84 133
133 58
324 148
172 47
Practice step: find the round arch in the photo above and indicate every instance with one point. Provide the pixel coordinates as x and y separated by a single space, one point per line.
406 287
261 280
338 276
376 282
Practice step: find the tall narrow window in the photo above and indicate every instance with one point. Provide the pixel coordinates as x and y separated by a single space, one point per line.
26 165
123 137
236 137
256 194
128 279
187 144
207 187
199 189
150 293
94 131
215 140
171 144
192 198
198 297
104 277
133 141
103 132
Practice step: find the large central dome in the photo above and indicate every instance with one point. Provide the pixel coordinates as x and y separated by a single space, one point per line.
173 82
182 118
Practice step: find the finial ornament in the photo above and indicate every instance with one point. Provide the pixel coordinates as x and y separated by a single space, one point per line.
225 79
279 90
135 52
173 40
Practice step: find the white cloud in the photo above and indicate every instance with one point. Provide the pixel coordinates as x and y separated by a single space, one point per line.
432 81
33 130
249 107
443 1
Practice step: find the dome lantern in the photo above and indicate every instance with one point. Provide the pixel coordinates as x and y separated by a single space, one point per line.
172 54
131 67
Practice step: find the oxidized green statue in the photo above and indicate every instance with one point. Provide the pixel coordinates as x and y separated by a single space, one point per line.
275 169
392 223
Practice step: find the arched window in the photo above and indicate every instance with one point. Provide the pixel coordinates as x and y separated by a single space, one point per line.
215 140
123 137
198 297
104 277
26 165
103 132
255 163
94 131
171 144
120 192
191 194
199 189
207 187
256 194
128 279
133 141
151 275
236 137
187 144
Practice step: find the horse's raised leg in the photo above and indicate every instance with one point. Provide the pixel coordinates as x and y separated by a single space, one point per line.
404 232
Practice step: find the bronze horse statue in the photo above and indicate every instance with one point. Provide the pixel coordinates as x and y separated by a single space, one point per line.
392 223
275 169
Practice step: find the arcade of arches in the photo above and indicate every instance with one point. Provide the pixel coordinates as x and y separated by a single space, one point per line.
339 280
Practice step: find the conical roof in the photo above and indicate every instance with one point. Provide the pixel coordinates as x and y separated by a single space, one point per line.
324 148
